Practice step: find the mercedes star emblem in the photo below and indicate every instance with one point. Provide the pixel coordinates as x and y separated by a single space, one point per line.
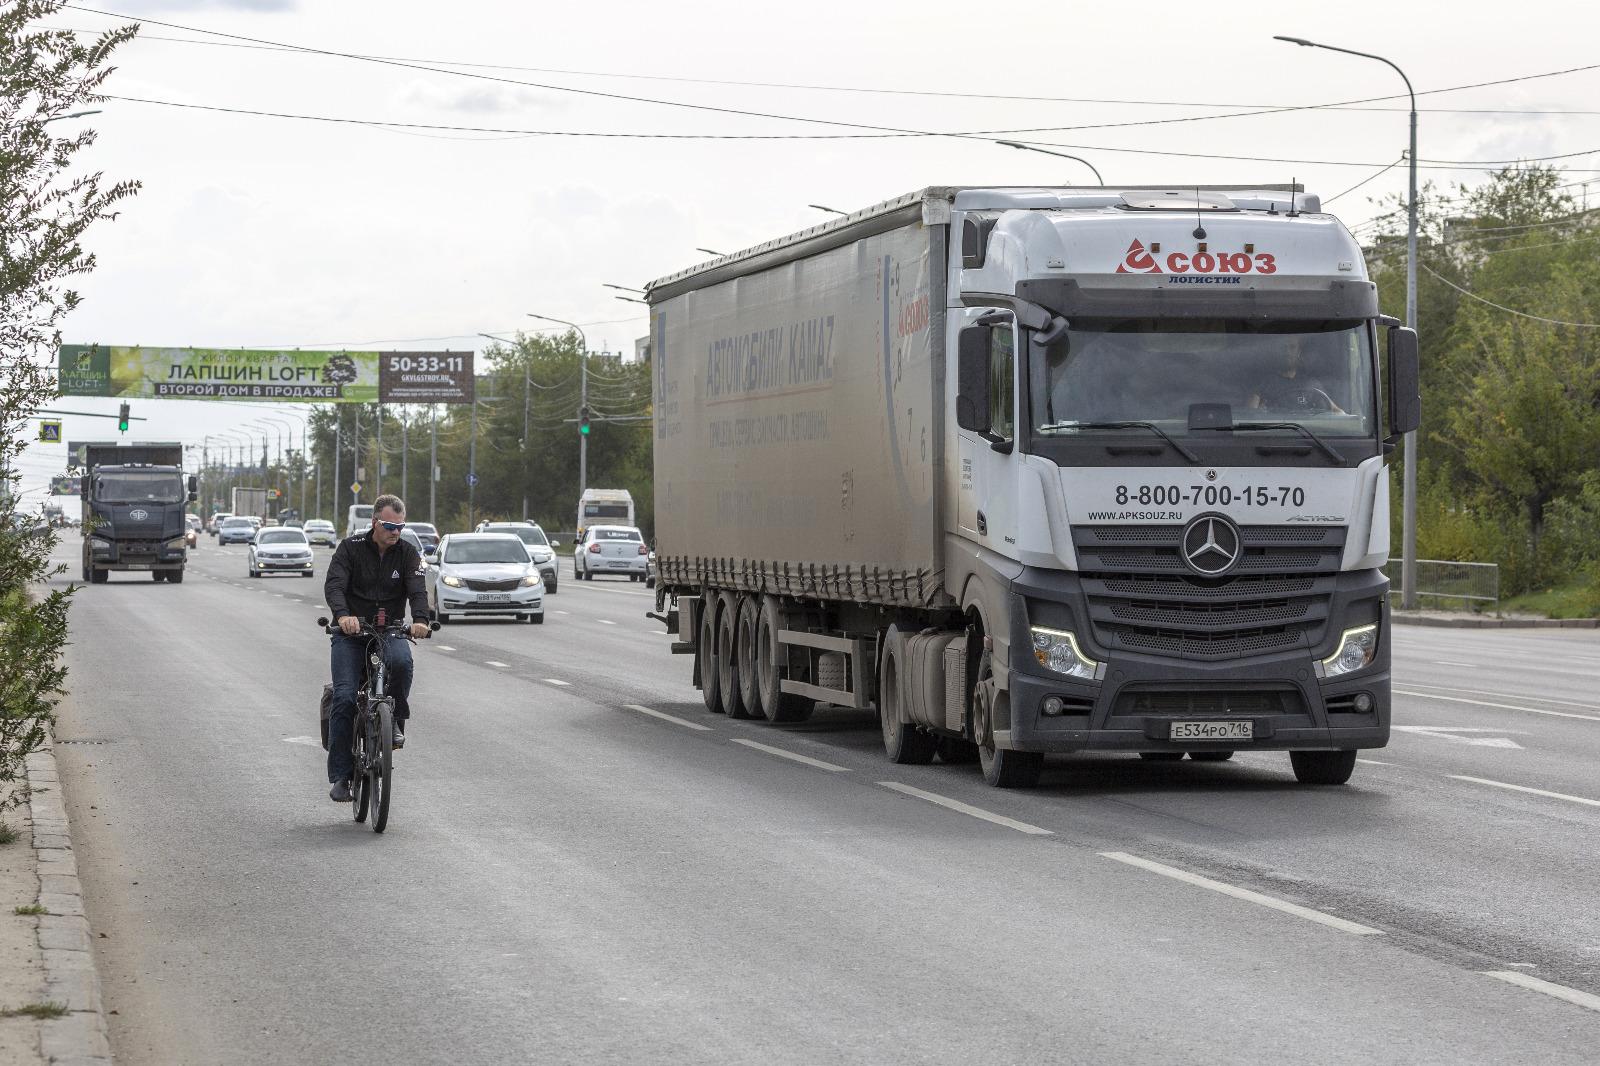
1211 545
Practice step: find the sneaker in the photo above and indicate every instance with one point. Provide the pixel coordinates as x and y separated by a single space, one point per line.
399 738
340 792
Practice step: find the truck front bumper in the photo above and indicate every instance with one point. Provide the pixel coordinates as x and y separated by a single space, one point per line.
135 555
1137 698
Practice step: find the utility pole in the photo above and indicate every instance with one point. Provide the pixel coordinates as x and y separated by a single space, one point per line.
472 462
433 461
405 456
583 404
527 383
377 480
338 424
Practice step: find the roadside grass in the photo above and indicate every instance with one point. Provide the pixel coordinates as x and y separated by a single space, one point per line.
41 1011
8 835
1577 599
30 908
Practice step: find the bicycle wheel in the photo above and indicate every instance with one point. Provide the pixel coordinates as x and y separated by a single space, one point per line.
381 769
358 757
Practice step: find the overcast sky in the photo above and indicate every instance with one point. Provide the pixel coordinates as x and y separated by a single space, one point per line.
274 232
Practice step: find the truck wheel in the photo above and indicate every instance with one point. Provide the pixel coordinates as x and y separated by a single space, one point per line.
174 577
99 577
1001 768
903 742
780 706
1323 767
1215 756
707 655
727 655
745 627
158 575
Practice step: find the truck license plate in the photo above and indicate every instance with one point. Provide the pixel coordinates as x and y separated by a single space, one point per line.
1213 731
494 597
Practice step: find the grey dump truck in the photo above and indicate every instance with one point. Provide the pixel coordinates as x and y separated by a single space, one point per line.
134 501
1035 470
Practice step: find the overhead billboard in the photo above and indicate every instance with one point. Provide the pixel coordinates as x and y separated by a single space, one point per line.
292 376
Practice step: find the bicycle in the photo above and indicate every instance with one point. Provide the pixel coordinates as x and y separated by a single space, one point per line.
372 727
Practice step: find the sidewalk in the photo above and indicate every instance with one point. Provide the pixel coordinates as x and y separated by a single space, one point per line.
1467 620
46 960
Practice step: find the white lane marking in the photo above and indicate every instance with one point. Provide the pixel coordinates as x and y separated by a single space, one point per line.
1446 662
1375 762
1333 922
674 719
1506 695
782 754
444 647
492 662
563 612
962 808
557 681
1525 788
315 742
1522 980
1500 706
1450 733
605 621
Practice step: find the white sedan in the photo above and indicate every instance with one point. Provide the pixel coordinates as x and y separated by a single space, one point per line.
485 574
321 531
279 551
610 550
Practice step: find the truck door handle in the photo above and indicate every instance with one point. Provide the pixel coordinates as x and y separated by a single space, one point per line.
983 525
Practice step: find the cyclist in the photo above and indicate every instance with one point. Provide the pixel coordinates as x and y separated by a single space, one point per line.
371 571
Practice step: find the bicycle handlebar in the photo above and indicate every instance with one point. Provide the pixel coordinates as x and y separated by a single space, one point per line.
393 629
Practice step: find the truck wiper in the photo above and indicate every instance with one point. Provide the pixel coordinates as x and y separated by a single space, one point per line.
1151 426
1247 427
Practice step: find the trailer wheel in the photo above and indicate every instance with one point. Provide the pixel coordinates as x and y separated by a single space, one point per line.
1323 767
707 654
745 655
903 742
770 660
728 655
1001 768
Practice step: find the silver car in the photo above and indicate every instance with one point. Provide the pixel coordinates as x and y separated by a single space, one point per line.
236 529
283 550
610 550
540 548
485 574
321 531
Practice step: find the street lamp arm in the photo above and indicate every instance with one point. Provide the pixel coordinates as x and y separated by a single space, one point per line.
1045 151
1303 43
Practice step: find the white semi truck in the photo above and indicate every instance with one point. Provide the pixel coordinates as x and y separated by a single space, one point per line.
1033 470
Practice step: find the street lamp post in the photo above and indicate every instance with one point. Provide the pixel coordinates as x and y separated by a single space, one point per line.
583 396
1046 151
1408 536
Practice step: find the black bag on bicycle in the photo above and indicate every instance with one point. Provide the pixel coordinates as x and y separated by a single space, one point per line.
327 709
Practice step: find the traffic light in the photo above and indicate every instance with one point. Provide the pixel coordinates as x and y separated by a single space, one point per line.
583 420
122 419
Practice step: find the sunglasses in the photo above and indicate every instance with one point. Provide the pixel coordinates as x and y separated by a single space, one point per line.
393 527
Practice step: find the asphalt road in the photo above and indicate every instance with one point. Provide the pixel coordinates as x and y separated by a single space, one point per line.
584 866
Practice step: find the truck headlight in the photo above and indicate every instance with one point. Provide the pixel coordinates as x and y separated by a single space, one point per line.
1357 648
178 542
451 580
1057 651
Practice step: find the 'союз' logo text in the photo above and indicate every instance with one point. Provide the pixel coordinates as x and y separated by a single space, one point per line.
1142 260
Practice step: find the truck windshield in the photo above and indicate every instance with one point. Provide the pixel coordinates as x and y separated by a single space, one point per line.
137 486
1318 375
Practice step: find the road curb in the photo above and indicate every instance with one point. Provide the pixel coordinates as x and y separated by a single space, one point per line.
77 1038
1477 622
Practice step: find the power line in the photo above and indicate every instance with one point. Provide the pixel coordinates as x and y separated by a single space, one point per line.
1502 307
1363 181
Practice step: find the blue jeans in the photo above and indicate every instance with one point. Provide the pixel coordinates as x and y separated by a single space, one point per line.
348 656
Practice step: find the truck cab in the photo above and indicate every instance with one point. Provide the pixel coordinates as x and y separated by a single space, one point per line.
135 500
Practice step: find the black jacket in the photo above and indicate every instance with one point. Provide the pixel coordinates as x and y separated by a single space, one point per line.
360 581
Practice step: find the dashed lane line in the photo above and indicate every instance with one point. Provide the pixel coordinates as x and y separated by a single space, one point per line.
1549 988
493 662
794 756
967 809
1499 706
1524 788
674 719
605 621
1501 695
445 647
558 682
1320 917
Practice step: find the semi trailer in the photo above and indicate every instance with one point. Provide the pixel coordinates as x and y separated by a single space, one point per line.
135 502
1036 470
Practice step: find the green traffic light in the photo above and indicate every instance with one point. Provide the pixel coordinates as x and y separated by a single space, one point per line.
122 419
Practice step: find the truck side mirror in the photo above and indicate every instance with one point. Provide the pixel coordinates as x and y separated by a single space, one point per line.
193 495
194 484
972 380
1405 381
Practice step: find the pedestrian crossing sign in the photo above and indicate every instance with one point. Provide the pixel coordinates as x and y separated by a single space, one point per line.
50 430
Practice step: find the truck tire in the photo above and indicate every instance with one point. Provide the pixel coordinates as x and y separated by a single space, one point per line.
744 633
1001 768
903 742
1323 767
771 660
175 577
99 577
728 655
158 575
707 654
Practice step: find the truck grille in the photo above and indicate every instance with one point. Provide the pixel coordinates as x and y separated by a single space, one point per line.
1142 598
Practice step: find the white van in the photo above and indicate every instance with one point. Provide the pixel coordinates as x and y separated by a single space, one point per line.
604 507
359 520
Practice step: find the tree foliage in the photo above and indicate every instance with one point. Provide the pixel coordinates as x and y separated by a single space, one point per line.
46 207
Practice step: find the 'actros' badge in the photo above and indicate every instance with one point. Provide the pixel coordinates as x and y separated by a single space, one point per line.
1211 545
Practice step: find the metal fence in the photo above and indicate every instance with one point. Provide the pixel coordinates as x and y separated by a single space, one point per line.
1441 583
